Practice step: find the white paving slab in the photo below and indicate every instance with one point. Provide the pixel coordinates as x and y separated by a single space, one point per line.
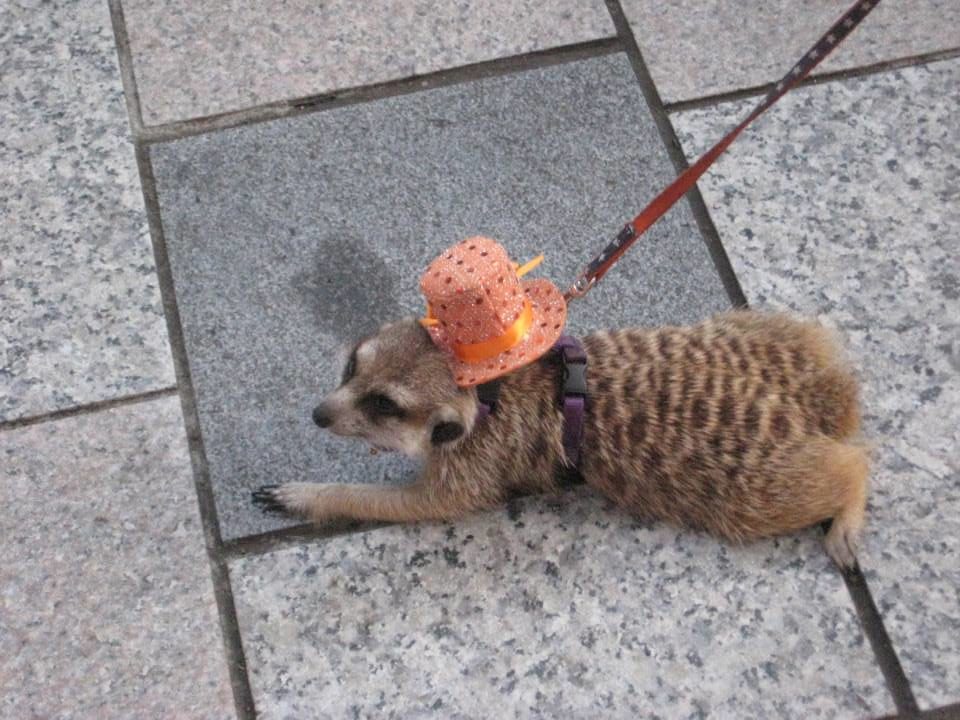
106 604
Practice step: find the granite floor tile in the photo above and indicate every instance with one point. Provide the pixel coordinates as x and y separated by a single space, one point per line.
695 48
198 59
289 239
843 203
561 608
80 315
106 605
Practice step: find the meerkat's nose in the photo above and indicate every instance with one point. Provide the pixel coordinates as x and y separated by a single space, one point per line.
321 417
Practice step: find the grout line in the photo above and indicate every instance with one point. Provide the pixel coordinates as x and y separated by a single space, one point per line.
229 625
667 133
945 712
219 571
886 656
87 408
131 94
819 79
266 542
390 88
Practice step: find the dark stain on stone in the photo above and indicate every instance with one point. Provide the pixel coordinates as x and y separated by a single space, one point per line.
334 283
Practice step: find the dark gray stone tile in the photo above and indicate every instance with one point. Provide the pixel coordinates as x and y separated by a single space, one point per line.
289 239
80 315
564 609
695 48
194 59
106 606
843 204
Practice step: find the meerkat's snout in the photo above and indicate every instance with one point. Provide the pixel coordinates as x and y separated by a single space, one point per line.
322 416
337 413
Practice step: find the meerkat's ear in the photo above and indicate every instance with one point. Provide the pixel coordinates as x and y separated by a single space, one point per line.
452 421
445 431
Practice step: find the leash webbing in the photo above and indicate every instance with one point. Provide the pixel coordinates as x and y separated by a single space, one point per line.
602 263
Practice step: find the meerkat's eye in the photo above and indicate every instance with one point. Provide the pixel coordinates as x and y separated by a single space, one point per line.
379 405
350 369
386 406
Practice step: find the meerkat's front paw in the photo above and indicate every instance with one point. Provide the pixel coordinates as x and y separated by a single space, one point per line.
289 498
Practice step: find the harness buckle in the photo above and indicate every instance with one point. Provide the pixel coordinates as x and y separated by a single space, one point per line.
574 376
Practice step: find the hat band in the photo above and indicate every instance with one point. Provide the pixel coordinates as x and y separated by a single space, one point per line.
511 337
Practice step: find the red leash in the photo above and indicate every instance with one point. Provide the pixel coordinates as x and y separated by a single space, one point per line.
631 232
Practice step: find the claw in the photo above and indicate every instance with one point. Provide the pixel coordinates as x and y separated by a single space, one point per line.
266 499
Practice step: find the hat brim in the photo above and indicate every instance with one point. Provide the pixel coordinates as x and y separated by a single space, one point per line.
549 317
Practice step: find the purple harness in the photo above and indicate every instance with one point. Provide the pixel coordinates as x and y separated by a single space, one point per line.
573 395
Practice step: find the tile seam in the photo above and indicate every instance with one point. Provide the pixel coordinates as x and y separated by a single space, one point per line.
283 538
879 68
131 94
273 540
223 590
88 408
884 653
219 571
942 712
296 107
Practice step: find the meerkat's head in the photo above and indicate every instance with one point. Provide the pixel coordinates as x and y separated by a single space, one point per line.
397 393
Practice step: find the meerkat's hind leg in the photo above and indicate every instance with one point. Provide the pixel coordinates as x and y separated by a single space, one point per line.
849 467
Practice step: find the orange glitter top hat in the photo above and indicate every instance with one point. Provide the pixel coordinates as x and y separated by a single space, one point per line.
483 316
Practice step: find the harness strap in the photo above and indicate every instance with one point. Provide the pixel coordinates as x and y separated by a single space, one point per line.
573 396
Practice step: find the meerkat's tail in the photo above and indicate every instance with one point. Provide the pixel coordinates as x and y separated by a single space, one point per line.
817 479
849 467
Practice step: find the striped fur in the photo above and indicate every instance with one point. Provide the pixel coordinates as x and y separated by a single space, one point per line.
743 426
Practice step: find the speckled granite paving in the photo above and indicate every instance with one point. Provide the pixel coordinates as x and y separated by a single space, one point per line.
106 608
850 211
80 316
276 241
555 609
695 48
304 234
246 56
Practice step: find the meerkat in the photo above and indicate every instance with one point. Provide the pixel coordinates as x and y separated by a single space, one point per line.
744 426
